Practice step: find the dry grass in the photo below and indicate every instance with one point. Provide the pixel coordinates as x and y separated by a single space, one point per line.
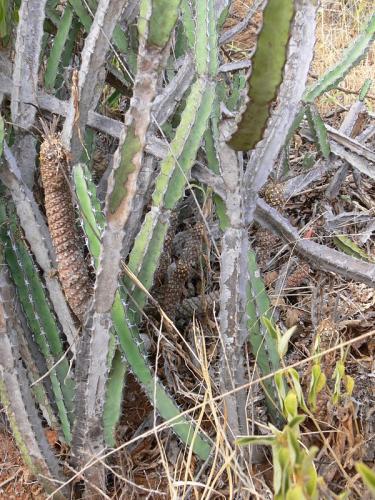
338 23
15 480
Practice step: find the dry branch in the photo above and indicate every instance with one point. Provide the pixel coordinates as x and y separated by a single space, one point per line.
319 256
38 237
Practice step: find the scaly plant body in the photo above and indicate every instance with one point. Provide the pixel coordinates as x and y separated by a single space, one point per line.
71 265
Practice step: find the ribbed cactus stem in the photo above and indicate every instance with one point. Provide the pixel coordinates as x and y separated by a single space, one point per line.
128 333
42 323
351 56
266 74
155 25
169 187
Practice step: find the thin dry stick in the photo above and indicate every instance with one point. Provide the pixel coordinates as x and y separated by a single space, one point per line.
167 423
163 455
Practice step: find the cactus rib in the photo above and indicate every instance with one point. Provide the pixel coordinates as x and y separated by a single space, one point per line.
350 58
58 48
266 75
128 336
16 396
169 187
43 325
155 24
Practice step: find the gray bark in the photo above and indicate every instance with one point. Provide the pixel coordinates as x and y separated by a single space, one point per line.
25 83
319 256
91 75
233 296
37 235
16 394
26 63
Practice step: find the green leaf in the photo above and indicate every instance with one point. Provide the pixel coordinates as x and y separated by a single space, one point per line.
338 375
309 473
294 446
318 381
284 460
298 389
284 341
297 420
271 327
295 493
367 475
256 440
291 405
350 58
277 470
348 246
280 387
349 384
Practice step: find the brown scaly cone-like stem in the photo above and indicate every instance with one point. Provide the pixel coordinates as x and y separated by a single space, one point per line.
71 265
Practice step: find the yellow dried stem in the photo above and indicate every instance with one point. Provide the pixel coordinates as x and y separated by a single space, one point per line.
71 265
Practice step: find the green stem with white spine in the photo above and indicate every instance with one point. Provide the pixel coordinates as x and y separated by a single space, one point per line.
41 321
129 336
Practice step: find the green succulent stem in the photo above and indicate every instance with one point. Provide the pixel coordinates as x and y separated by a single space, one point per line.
128 336
40 319
266 75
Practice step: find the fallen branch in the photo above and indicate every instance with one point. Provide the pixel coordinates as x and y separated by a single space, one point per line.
319 256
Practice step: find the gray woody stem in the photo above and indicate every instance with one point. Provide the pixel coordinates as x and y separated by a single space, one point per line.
25 83
91 75
38 237
233 283
16 395
92 367
319 256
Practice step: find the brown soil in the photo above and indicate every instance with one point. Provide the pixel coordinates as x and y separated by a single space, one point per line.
15 479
